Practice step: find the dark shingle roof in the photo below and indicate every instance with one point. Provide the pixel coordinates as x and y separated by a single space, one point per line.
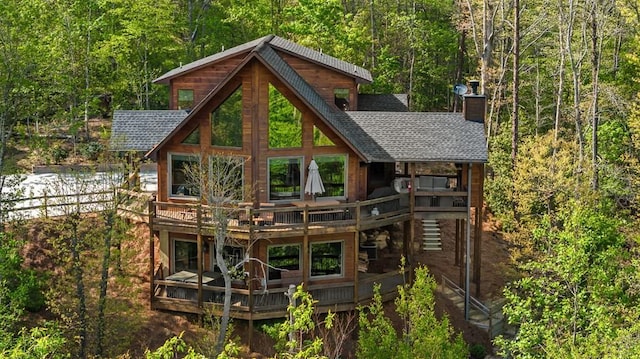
321 58
205 61
389 103
141 130
279 43
424 136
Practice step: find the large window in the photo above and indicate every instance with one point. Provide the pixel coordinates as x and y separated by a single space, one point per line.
326 259
193 138
179 183
226 122
332 169
185 99
285 178
285 121
320 139
185 255
280 258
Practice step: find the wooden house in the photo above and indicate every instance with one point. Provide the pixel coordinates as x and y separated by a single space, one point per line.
277 106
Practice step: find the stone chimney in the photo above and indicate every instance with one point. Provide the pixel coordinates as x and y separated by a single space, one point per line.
474 105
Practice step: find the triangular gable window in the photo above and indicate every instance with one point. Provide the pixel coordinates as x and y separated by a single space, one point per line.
320 139
285 121
193 138
226 122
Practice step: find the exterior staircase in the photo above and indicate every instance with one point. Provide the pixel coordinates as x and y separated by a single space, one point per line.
487 316
431 240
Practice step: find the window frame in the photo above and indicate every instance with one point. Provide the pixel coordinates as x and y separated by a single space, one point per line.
179 101
345 173
301 178
296 112
241 119
192 242
278 280
342 260
170 193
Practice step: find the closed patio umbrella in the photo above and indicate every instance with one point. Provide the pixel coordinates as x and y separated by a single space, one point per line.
314 181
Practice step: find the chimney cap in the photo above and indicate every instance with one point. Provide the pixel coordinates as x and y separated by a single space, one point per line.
474 86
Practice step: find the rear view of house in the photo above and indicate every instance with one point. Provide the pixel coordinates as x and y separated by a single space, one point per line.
279 108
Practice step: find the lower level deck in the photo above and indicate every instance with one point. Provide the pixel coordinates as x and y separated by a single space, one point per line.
269 303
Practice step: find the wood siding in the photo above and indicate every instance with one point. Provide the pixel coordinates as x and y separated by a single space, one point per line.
324 80
201 81
255 80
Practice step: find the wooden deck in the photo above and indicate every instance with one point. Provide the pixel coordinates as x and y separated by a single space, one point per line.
272 302
290 221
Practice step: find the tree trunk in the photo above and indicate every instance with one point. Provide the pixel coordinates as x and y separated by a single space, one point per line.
595 74
104 279
74 219
516 82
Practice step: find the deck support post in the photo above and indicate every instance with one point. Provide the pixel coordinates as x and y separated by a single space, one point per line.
152 258
305 248
200 256
467 245
412 222
356 261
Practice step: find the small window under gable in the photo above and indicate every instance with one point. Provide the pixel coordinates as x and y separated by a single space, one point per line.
226 122
341 99
285 121
185 99
193 138
320 139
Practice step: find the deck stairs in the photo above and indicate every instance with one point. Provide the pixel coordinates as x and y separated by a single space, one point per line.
431 240
486 316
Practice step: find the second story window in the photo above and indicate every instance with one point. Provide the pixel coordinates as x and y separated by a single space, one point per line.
341 99
185 99
226 122
285 121
285 178
180 183
333 170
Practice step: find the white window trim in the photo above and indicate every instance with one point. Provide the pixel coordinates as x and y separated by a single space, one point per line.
345 172
299 245
170 179
302 178
342 266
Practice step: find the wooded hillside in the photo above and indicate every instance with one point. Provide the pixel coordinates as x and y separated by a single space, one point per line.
563 117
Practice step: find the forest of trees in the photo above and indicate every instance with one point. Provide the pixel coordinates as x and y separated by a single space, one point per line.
563 123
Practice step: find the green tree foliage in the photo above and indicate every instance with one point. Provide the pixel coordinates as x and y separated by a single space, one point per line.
294 337
577 298
37 343
424 335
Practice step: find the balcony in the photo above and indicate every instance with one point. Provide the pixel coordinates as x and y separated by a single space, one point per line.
267 220
267 303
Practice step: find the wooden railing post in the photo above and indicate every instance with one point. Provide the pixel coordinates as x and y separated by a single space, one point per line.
46 204
151 254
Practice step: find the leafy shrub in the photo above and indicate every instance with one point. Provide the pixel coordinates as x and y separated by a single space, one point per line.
477 351
59 154
91 150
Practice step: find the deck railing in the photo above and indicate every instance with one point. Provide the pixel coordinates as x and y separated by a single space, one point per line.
286 217
271 302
